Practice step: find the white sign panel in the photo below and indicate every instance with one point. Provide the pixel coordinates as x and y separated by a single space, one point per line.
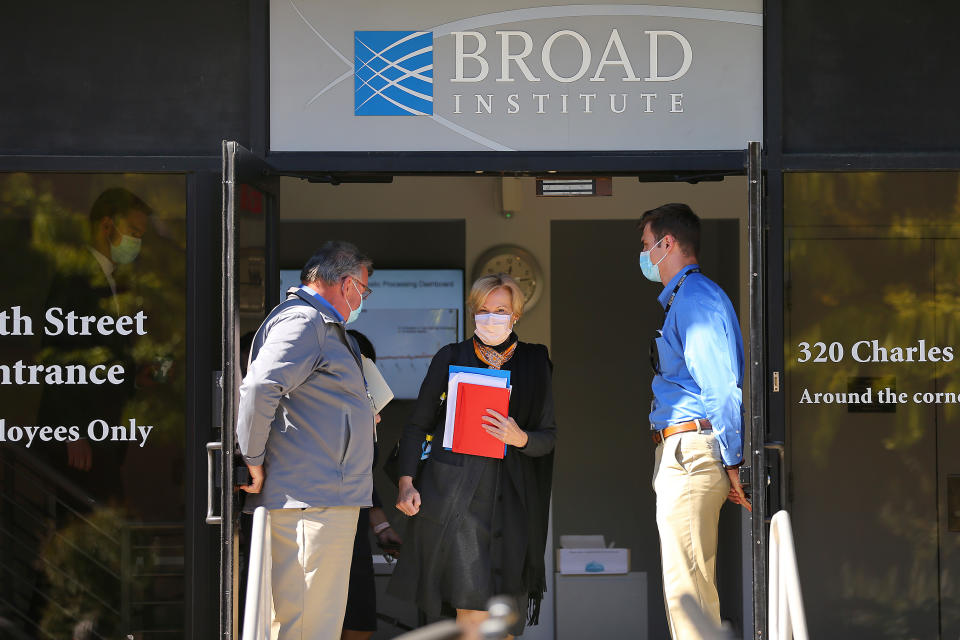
408 318
426 75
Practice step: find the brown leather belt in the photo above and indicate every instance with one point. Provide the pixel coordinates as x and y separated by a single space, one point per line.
683 427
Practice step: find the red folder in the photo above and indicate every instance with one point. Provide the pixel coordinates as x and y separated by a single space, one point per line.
473 400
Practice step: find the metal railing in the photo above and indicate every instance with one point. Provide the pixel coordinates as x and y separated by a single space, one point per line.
503 615
786 619
40 510
258 608
32 507
706 628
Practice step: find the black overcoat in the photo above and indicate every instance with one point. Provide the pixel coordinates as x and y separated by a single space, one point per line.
449 480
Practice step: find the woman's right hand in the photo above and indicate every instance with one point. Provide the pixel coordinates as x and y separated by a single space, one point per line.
408 500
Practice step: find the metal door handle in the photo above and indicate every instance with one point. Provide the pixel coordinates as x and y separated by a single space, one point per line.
746 474
211 447
781 454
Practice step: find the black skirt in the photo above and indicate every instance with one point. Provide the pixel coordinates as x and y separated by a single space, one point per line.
482 525
461 555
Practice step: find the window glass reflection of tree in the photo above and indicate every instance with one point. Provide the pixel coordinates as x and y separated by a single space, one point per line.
874 256
90 262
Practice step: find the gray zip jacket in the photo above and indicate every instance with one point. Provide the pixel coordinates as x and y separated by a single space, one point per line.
304 412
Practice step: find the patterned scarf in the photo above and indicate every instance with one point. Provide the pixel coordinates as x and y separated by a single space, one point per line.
490 356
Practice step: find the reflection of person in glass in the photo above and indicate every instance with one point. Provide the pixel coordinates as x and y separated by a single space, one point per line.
696 416
87 283
88 286
480 524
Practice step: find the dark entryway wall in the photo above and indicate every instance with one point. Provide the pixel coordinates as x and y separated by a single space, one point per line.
867 76
408 244
176 78
125 78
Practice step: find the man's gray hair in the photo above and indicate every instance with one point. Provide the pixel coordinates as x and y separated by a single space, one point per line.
334 261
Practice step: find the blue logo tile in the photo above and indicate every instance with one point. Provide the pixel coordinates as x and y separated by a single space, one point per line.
393 73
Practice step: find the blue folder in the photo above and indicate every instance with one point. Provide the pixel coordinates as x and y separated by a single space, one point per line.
496 373
483 371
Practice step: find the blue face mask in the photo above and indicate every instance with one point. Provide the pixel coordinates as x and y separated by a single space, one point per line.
354 313
651 271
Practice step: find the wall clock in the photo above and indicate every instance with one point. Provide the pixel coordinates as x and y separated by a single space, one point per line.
516 262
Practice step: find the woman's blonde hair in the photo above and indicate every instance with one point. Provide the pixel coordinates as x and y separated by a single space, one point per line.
486 285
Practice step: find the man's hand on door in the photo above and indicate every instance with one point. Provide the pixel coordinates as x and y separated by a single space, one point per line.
256 479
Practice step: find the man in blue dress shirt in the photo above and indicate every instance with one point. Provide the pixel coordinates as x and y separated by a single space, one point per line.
696 416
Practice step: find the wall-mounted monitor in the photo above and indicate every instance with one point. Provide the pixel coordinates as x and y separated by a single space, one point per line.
411 314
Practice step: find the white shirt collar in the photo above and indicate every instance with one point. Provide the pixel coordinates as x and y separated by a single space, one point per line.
105 263
108 268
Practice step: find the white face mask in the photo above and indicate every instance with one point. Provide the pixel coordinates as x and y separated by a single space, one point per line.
127 251
493 328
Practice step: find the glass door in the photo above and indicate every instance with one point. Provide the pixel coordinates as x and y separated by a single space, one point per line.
94 380
250 287
872 287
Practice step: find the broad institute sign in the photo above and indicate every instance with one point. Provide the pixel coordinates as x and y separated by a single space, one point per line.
372 76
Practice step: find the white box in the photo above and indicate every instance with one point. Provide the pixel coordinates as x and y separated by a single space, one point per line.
593 561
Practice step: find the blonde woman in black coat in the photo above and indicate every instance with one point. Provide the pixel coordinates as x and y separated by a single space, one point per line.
479 525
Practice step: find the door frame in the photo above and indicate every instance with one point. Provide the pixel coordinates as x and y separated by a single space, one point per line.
758 389
240 167
203 200
664 166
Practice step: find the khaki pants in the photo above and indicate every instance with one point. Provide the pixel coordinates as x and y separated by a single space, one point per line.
691 486
311 550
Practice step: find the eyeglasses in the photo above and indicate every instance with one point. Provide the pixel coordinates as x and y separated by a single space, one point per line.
366 291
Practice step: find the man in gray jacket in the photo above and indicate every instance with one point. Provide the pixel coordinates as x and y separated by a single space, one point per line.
306 428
